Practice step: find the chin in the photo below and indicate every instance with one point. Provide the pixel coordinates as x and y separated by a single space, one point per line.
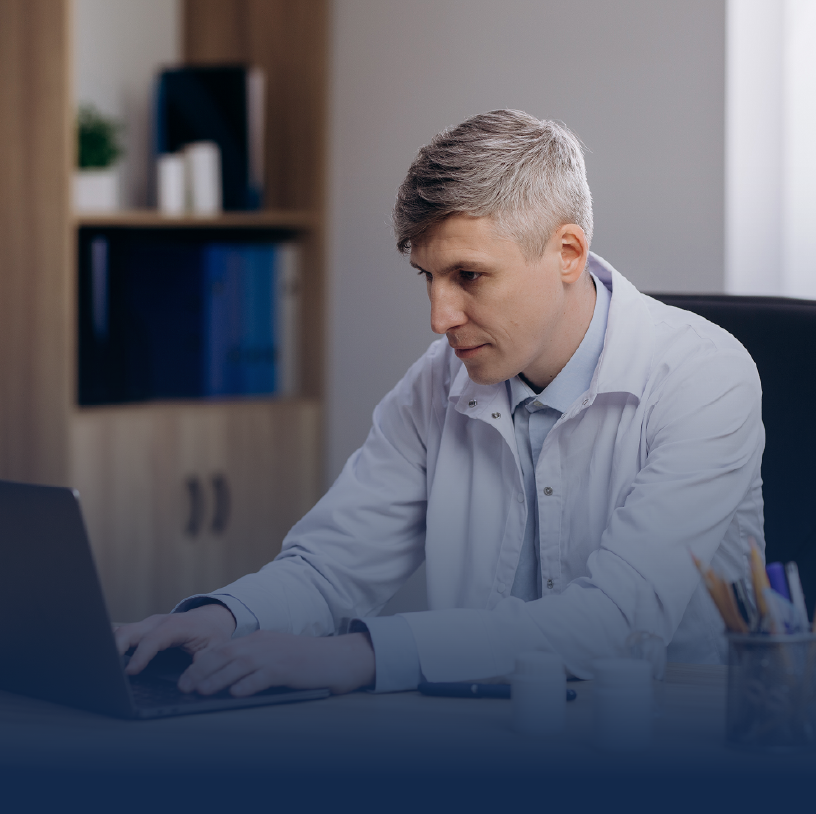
485 377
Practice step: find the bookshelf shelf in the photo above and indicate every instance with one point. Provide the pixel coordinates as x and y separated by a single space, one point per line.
159 405
150 218
144 469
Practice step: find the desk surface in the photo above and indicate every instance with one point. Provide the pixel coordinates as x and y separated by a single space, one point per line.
380 732
403 752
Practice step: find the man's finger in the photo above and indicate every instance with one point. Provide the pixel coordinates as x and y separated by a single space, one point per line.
128 636
164 636
252 683
213 670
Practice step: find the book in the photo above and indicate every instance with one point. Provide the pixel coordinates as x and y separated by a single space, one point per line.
287 318
239 338
223 104
159 319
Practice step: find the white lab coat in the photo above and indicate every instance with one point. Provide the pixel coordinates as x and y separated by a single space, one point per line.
659 457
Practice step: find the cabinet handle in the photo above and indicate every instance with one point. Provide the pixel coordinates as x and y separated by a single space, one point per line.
221 514
196 515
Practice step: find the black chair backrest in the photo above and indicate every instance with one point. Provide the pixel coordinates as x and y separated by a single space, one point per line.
780 335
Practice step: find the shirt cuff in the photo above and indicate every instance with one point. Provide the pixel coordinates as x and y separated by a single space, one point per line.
245 620
395 652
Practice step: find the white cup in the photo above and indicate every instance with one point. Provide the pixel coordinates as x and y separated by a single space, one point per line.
170 183
622 700
539 693
203 163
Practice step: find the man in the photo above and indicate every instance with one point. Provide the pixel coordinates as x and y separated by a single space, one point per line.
554 460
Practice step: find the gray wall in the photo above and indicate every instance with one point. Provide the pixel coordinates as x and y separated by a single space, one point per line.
642 82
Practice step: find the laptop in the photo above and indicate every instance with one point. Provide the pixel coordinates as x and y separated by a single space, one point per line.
55 633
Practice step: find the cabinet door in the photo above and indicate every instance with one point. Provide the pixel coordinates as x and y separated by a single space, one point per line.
182 499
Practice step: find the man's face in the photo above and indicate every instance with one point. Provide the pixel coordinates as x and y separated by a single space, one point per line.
502 314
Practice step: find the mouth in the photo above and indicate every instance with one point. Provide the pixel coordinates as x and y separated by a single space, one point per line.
468 353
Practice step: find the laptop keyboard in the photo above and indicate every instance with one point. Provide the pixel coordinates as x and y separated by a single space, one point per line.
157 693
151 692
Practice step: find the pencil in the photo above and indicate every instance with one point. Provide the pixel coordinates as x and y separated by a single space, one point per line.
723 598
759 578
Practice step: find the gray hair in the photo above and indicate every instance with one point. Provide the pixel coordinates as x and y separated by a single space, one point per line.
528 175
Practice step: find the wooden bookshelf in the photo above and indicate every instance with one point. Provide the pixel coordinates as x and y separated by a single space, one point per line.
134 464
303 220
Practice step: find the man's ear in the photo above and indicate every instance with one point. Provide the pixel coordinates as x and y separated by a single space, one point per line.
574 251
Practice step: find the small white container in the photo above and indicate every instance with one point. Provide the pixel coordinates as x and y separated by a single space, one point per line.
170 183
539 693
203 165
96 190
622 700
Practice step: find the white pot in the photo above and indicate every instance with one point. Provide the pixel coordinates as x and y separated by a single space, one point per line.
96 190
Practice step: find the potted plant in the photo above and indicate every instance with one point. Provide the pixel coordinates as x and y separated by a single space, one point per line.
96 182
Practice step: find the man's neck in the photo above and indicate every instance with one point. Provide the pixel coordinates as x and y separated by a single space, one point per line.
578 318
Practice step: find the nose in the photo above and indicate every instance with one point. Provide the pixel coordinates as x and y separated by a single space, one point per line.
447 313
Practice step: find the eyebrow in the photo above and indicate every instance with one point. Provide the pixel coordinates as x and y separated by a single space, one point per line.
458 265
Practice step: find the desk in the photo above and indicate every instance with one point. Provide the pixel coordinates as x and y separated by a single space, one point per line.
405 737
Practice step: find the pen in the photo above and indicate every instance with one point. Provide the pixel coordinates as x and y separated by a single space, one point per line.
797 595
776 576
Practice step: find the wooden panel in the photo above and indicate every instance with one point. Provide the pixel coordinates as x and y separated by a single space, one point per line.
132 464
36 295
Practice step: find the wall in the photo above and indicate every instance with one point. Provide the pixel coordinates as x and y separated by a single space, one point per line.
118 46
640 81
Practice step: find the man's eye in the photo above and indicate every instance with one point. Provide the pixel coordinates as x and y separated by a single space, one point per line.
470 276
426 275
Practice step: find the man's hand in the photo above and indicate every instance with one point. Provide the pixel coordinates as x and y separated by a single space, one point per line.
193 631
270 659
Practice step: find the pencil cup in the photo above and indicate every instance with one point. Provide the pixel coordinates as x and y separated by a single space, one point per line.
622 701
539 693
771 692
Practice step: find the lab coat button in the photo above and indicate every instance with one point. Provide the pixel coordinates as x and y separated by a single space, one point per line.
548 490
549 583
585 402
520 497
496 415
472 403
502 587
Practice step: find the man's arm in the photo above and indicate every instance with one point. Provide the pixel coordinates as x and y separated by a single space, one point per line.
252 663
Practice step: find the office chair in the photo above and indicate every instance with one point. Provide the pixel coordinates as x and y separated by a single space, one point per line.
780 335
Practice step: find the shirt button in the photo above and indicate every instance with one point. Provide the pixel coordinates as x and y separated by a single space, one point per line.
496 415
548 490
520 497
585 402
537 404
549 583
472 403
502 587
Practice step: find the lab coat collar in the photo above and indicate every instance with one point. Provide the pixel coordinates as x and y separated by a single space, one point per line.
629 343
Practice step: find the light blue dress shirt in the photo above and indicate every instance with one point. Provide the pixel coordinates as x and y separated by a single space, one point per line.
534 415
